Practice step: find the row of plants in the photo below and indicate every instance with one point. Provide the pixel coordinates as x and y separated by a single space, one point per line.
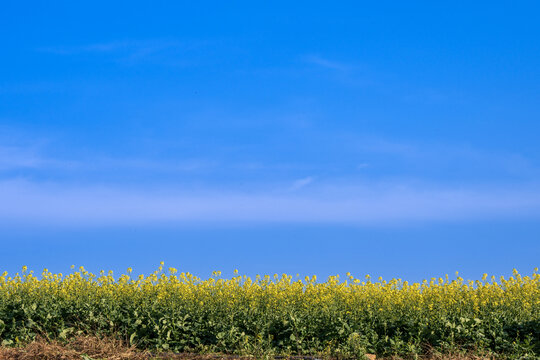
277 315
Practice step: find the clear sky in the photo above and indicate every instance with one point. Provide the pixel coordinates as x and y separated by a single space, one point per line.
390 138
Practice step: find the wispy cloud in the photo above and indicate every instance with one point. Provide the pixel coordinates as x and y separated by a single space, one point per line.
386 146
300 183
169 52
16 157
150 165
78 200
366 204
431 156
362 166
326 63
33 157
131 46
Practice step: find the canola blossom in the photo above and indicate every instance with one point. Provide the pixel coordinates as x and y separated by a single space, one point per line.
345 318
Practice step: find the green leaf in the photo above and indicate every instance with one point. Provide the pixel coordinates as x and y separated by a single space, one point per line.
64 333
7 342
132 337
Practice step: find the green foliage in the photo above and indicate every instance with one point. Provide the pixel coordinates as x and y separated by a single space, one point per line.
344 319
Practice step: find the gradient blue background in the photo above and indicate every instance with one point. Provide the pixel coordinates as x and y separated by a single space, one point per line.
395 139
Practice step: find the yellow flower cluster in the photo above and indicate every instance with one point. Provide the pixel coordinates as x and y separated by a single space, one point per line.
180 311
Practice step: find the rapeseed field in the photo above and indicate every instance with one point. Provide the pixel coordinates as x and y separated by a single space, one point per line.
277 315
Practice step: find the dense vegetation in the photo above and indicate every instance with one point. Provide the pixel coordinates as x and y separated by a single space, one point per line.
277 315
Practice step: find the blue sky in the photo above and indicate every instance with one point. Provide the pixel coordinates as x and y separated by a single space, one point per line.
308 137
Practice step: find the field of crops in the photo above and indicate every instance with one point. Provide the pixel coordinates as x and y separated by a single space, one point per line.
273 315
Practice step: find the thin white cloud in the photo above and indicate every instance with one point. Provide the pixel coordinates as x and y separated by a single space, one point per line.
160 51
32 157
371 144
326 63
300 183
368 204
16 157
150 165
132 46
374 202
448 155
